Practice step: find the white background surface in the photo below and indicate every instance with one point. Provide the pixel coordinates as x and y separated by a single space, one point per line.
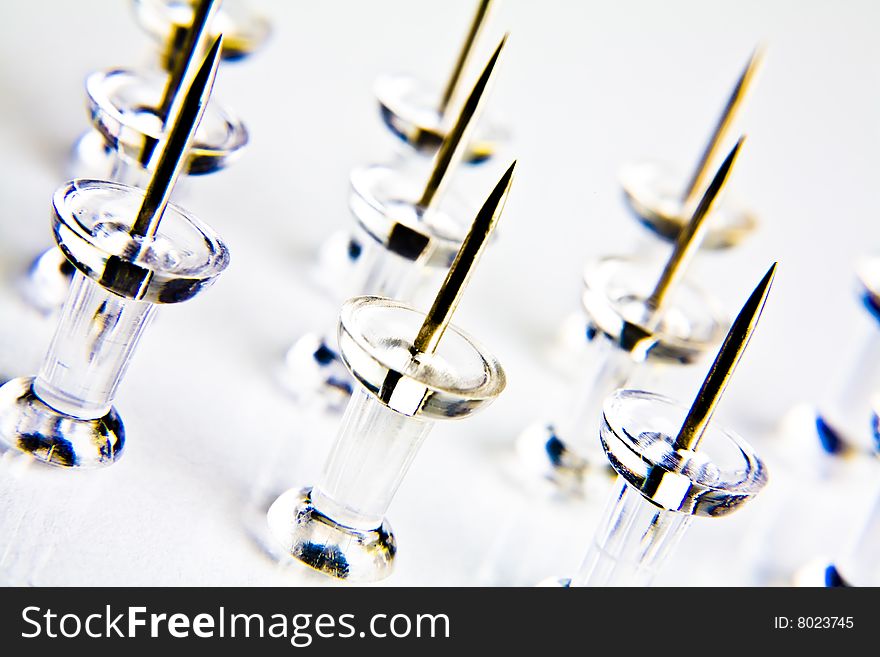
585 88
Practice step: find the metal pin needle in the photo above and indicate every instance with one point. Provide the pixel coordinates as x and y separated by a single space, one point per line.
689 239
700 413
451 88
196 38
472 248
176 142
455 143
734 103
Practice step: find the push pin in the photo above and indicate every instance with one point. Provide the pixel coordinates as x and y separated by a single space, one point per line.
846 425
402 239
129 111
412 369
131 250
244 30
662 203
422 117
663 480
672 323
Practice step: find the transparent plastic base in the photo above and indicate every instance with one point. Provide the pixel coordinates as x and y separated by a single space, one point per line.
570 450
122 105
654 193
312 538
839 434
253 517
613 297
31 426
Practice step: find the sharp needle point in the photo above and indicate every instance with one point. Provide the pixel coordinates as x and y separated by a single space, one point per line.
456 140
689 238
450 293
734 103
449 91
175 144
697 420
194 43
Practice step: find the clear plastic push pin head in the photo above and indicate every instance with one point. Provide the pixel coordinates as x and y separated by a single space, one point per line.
412 369
244 29
653 191
387 213
638 435
125 109
92 225
419 115
409 110
661 198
